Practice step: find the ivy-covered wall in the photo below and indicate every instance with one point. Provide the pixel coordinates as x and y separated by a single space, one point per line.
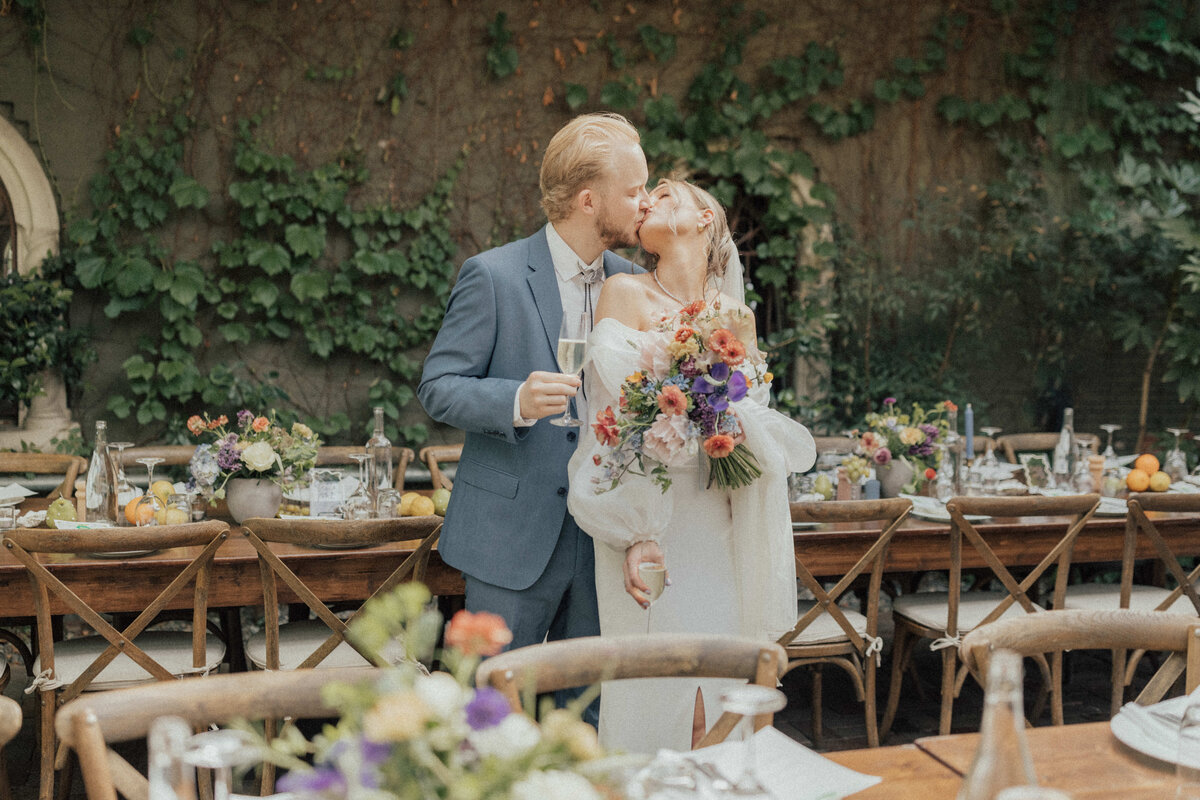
266 202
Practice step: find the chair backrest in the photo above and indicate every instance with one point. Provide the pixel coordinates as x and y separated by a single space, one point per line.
260 532
1013 443
91 725
70 467
833 444
589 660
891 514
1077 508
436 455
172 455
10 720
1137 522
26 544
1123 629
332 455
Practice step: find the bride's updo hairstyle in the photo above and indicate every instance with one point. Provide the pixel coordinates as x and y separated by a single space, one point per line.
718 243
578 156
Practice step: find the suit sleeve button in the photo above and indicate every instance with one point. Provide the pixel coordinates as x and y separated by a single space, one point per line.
562 491
571 436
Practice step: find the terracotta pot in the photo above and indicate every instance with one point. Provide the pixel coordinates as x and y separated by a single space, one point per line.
252 497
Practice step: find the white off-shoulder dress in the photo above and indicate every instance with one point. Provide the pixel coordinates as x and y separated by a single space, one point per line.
729 554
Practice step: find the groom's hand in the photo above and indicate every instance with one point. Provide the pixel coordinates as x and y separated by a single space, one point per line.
547 393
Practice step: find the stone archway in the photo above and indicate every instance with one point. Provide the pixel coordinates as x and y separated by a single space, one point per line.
36 214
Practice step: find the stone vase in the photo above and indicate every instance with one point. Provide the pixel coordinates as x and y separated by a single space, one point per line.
893 476
252 497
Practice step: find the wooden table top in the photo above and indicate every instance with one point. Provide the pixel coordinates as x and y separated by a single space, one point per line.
908 773
1084 760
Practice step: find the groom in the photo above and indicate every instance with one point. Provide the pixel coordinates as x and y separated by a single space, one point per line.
492 372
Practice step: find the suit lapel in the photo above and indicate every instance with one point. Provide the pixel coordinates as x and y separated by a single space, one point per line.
543 282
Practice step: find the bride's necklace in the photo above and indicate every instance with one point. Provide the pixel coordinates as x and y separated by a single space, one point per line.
654 274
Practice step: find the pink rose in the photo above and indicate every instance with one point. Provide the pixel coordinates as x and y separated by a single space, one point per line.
666 440
655 359
882 456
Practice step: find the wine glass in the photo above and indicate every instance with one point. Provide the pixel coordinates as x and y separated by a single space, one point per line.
359 505
1175 464
386 501
220 751
989 457
1110 454
150 507
124 489
654 575
572 343
750 700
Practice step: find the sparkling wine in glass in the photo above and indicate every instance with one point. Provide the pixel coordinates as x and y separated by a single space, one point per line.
572 344
150 507
124 489
654 575
750 700
1175 464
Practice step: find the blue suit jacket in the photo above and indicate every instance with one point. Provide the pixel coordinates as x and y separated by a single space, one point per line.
510 490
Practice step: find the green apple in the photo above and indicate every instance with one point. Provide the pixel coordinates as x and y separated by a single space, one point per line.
61 508
441 499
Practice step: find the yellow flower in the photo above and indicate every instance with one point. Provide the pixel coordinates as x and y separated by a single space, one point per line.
770 376
301 430
580 739
636 377
683 349
912 436
396 717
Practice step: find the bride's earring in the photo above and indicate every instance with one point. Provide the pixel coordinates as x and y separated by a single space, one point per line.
700 227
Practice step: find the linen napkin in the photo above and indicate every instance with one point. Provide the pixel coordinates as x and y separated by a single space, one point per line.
14 493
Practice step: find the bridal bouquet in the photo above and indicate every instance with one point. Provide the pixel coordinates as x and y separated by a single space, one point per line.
258 447
414 734
693 372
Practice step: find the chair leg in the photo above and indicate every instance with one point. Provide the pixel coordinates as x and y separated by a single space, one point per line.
1118 682
869 702
817 721
46 745
900 650
1056 688
949 678
5 786
66 775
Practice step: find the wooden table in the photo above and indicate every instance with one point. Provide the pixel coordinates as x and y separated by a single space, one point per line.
1086 761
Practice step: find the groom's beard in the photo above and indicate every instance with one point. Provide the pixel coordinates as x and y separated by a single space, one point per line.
613 236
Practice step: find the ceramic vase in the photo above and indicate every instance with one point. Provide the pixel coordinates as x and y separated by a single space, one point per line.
893 476
252 497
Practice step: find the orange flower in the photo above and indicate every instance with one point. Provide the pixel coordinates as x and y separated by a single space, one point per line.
930 473
478 634
718 445
720 339
606 427
195 424
734 353
684 333
260 424
692 309
672 401
218 422
950 406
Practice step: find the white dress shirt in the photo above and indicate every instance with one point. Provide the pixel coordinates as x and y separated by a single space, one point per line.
568 268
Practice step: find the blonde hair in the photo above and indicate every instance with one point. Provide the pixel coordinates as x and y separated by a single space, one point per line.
718 241
579 154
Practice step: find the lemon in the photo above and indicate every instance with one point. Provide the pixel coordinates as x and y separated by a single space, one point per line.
406 501
441 499
422 506
61 508
163 489
1160 481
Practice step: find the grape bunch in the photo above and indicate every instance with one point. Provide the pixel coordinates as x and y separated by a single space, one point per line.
857 468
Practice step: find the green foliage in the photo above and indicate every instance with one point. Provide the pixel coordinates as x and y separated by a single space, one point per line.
34 336
396 91
501 58
33 12
302 265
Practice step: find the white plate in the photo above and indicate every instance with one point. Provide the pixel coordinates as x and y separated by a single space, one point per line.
123 554
70 524
1111 507
1151 736
934 510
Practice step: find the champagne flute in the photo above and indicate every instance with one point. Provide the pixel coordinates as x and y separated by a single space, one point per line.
750 700
654 575
572 344
989 456
359 504
150 507
1110 454
1175 464
124 489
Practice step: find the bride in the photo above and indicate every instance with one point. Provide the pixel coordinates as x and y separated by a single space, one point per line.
728 553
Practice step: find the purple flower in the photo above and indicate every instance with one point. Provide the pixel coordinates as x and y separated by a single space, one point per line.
324 778
719 402
487 709
228 456
737 387
889 401
244 417
702 386
719 371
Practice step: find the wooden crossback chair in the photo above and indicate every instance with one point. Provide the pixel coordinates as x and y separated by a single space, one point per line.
585 661
826 633
334 455
70 467
91 725
1183 599
113 658
322 642
436 455
945 616
1115 629
1011 444
10 724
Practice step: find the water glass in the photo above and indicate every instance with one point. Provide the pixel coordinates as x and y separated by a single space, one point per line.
8 518
1187 769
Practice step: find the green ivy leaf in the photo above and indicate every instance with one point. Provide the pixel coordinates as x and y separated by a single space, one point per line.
272 258
576 94
310 285
305 240
187 191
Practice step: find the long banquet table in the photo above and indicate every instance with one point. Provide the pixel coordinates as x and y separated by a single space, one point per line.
128 584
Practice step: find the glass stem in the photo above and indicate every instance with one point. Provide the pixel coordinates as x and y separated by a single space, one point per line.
748 755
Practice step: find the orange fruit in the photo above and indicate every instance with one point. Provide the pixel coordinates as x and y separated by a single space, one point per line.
136 513
1147 463
1160 481
1137 480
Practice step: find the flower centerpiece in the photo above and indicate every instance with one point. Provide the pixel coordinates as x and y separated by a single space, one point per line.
257 448
693 372
416 734
908 437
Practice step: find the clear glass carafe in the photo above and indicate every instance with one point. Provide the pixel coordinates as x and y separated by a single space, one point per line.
1002 759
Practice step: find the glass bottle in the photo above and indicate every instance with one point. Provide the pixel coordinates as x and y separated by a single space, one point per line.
379 465
170 778
1002 759
1064 452
98 495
